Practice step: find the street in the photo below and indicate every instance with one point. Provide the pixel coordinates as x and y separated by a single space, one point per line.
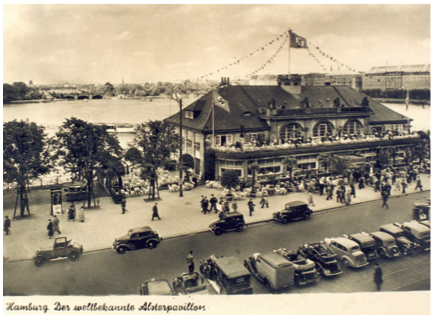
105 272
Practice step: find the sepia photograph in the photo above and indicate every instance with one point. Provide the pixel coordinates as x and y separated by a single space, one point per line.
216 159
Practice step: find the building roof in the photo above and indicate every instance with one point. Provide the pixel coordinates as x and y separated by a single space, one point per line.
419 68
237 105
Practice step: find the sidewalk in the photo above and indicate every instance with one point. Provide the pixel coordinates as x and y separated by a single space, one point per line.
180 216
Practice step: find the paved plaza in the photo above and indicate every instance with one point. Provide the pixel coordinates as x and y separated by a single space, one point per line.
179 216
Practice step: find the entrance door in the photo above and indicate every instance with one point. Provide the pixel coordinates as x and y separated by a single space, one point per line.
197 166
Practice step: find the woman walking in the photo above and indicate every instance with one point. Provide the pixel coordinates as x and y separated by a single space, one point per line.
50 228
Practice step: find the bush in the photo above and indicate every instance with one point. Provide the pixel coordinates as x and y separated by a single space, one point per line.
230 179
420 94
170 165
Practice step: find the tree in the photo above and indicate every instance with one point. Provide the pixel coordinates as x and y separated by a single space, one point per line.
26 156
187 162
290 162
254 167
84 148
210 159
108 89
339 164
157 142
325 158
383 158
133 155
230 179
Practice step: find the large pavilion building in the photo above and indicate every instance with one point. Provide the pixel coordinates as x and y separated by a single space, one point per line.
266 124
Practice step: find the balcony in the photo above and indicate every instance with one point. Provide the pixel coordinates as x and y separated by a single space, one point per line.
249 151
267 112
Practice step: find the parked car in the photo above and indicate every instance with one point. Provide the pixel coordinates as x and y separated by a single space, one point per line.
292 211
366 243
228 276
347 251
157 287
385 244
271 269
61 249
422 213
323 256
405 245
190 283
418 233
304 269
228 222
137 238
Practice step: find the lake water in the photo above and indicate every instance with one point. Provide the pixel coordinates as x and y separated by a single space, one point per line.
52 115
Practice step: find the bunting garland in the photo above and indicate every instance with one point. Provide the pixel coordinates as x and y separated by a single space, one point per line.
262 48
272 57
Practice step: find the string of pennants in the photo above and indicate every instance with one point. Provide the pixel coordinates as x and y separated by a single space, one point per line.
262 48
272 57
327 56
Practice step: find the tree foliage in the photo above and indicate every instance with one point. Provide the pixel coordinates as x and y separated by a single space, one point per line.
157 142
187 161
83 148
26 155
230 179
210 160
340 165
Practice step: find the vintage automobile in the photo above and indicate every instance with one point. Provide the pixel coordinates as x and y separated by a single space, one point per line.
323 256
405 245
305 271
137 238
385 244
157 287
271 269
228 276
418 233
190 283
366 243
62 249
293 210
228 222
422 213
347 251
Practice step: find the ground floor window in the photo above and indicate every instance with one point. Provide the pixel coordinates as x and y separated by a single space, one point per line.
267 166
236 166
307 162
189 147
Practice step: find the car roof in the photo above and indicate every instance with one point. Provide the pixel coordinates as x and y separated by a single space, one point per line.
391 228
383 236
363 238
417 226
275 260
425 205
140 229
233 214
159 287
344 241
295 203
231 267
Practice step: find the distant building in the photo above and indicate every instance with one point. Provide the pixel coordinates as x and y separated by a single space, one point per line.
343 78
397 77
314 79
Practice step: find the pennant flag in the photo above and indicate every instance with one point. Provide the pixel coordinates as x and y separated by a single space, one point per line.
175 95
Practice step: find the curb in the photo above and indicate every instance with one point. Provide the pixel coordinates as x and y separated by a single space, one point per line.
323 211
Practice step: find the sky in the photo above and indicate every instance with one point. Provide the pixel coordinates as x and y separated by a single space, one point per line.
84 44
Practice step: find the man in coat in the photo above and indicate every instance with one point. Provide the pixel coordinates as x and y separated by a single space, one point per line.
56 222
378 276
50 229
155 212
7 225
213 202
251 205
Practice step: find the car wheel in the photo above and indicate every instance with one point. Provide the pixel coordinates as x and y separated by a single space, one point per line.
404 251
267 284
152 244
218 232
347 263
74 256
39 261
121 250
382 253
284 221
240 228
307 216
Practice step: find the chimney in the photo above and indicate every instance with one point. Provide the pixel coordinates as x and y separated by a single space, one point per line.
290 83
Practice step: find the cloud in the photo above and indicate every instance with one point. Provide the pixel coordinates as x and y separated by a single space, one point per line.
141 53
124 36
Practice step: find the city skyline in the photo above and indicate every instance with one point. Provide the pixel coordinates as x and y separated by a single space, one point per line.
81 44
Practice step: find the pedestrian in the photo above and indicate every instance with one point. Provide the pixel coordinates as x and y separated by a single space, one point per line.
202 204
194 179
310 199
50 229
378 276
213 202
190 262
353 190
329 192
205 205
361 182
71 212
403 185
251 205
155 212
7 225
56 222
385 195
348 198
124 201
264 201
338 194
234 206
226 207
418 183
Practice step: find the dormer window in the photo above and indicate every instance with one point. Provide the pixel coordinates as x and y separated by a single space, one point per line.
189 114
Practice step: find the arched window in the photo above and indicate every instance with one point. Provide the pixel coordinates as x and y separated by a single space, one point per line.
352 127
322 129
291 131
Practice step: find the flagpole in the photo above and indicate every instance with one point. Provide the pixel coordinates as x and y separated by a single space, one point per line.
289 54
181 180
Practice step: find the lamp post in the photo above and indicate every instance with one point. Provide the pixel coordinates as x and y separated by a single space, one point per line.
181 178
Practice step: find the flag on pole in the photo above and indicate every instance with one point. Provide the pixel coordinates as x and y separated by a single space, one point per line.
298 42
175 95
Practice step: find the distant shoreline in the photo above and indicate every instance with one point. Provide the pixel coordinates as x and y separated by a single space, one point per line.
425 102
